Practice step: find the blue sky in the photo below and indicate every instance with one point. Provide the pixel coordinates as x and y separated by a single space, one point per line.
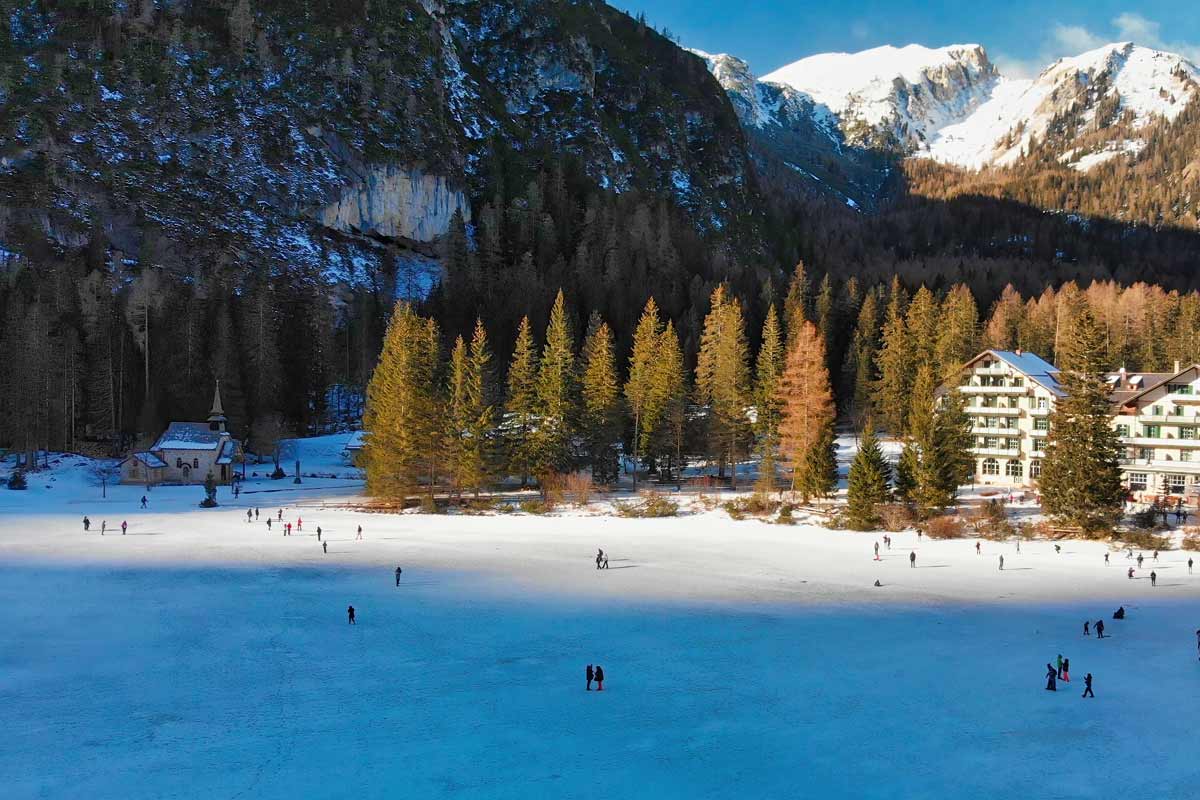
1021 36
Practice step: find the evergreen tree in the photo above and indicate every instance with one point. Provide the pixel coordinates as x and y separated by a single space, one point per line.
907 468
897 365
722 376
818 473
940 436
402 410
827 318
768 369
921 323
457 415
639 389
797 306
521 406
807 416
958 332
859 371
470 428
670 380
601 396
1081 474
868 483
556 392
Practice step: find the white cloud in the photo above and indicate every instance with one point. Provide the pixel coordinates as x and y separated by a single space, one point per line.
1012 67
1074 39
860 30
1133 27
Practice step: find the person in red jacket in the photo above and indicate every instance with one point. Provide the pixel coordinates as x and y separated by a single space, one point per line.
599 675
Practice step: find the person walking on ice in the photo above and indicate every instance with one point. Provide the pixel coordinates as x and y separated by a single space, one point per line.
359 536
350 615
1001 563
978 552
1189 566
1099 629
1087 686
318 533
1139 560
1066 670
268 523
299 523
599 558
877 551
398 571
124 527
324 547
87 523
144 501
1086 632
912 559
249 514
103 526
256 516
1106 559
590 675
281 515
599 675
1051 679
1130 573
1153 578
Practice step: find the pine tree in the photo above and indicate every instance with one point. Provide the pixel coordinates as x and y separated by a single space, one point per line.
897 366
807 410
867 483
797 306
907 468
1080 482
722 376
601 396
921 324
470 429
818 473
402 410
768 369
556 393
457 415
670 380
639 389
859 370
521 406
958 332
828 318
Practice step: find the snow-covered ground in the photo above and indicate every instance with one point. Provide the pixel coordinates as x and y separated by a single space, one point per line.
203 656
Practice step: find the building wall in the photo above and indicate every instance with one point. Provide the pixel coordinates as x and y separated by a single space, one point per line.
1010 415
1161 434
198 464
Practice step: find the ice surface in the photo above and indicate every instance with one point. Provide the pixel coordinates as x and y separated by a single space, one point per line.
203 656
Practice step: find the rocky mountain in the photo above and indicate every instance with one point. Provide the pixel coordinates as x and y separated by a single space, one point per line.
951 105
336 138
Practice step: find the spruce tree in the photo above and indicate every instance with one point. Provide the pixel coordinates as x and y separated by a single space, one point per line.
601 401
958 332
859 370
521 406
722 376
807 410
818 472
670 380
457 418
907 468
867 483
479 450
896 364
639 389
921 323
556 392
402 409
768 369
1080 482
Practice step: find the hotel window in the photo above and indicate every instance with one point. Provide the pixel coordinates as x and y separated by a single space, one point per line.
1012 444
1156 411
1043 403
1179 388
1177 484
991 442
1013 469
1185 455
1018 381
1137 481
1035 469
1122 430
1187 433
1039 445
1041 424
195 463
1151 431
1146 453
991 466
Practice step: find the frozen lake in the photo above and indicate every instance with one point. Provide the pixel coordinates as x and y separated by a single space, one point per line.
202 656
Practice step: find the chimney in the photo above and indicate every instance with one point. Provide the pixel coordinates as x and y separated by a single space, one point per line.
1176 366
1122 383
1017 351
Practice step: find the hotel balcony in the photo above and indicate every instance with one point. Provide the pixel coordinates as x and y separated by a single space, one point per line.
987 411
1145 441
1168 419
997 451
993 389
1039 412
1159 465
984 430
1184 399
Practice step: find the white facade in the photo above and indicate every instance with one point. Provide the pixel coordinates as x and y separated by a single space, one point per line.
1158 418
1009 396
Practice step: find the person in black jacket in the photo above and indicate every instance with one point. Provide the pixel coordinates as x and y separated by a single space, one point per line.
590 677
398 571
1119 613
599 675
350 615
1051 678
1099 629
1087 686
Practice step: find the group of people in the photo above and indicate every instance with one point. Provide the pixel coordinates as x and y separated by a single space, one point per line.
287 527
596 674
601 560
87 526
1062 672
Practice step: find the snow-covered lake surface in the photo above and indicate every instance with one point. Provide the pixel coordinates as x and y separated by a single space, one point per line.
203 656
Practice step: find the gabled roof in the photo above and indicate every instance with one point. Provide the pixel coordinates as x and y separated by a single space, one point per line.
228 450
1150 381
149 460
189 436
1034 367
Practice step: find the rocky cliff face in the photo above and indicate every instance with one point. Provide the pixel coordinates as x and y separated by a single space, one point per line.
329 136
